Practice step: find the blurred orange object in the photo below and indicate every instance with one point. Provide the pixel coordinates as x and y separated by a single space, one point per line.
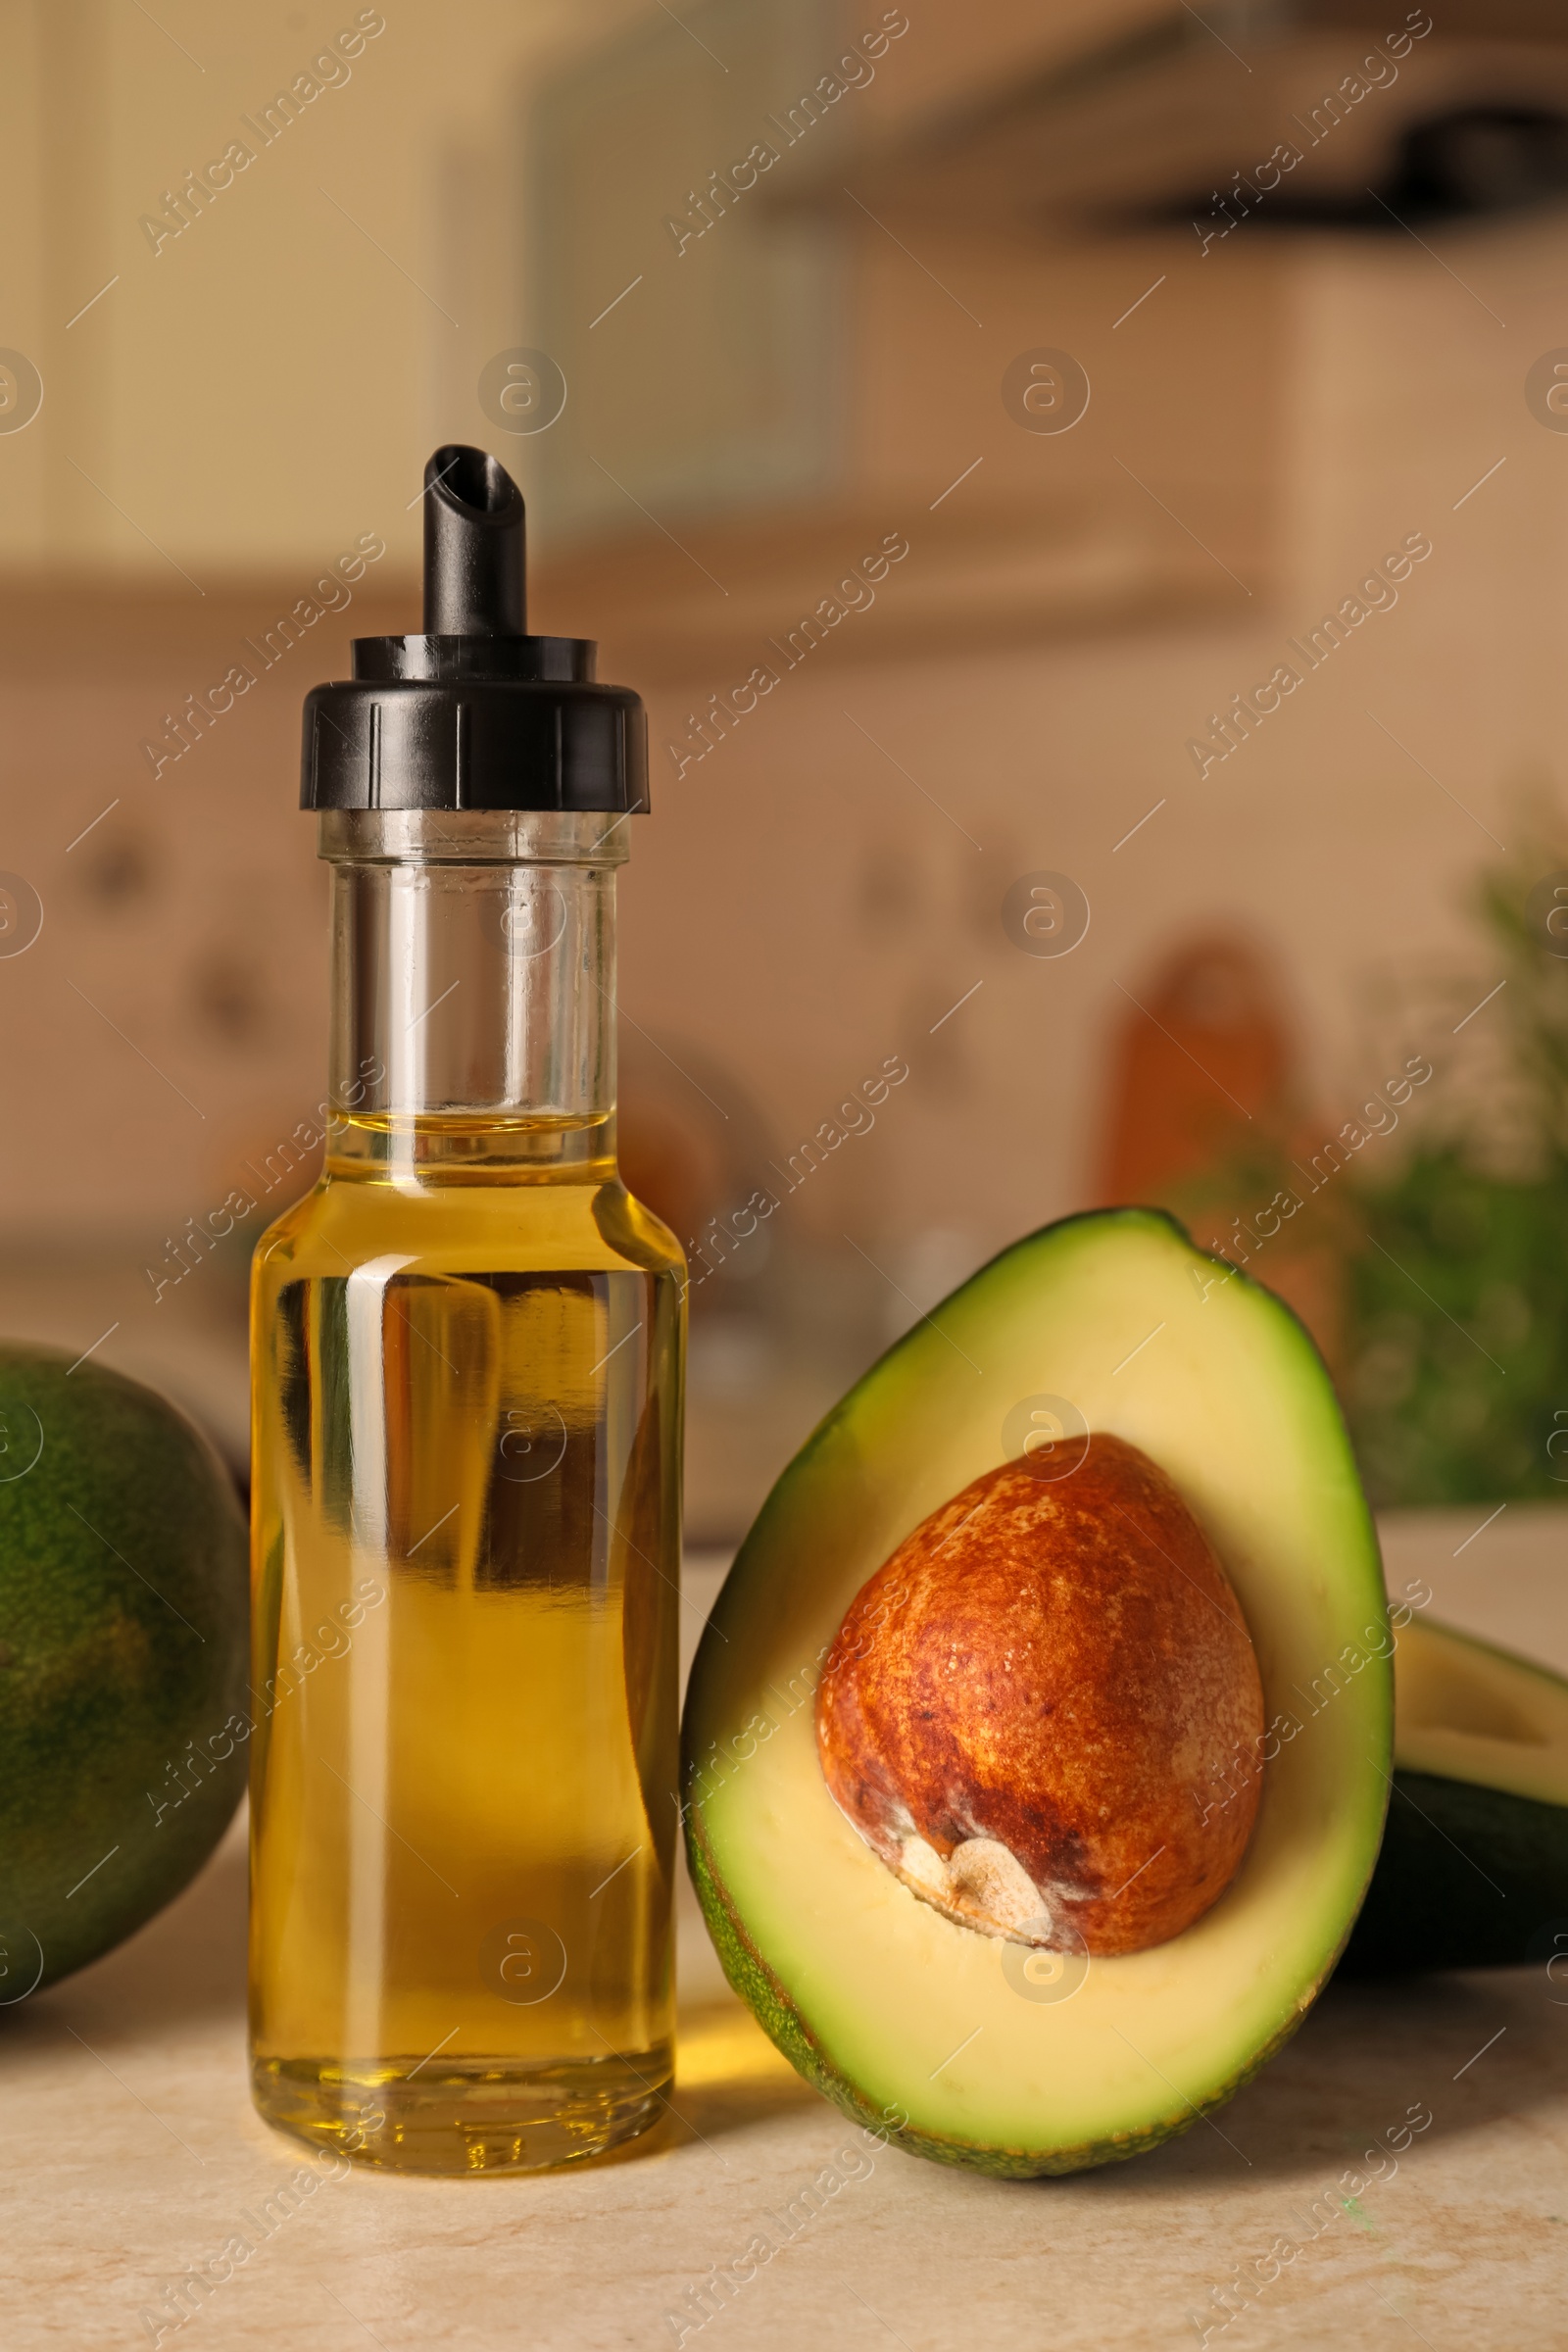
1204 1116
1202 1054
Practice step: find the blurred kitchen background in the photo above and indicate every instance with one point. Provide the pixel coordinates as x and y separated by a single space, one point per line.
991 381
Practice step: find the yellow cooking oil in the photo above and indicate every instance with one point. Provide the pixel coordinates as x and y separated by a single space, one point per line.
469 1343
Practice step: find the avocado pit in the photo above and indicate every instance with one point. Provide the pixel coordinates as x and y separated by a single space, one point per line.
1043 1711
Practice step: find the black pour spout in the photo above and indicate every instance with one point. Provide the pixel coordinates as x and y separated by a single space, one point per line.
474 547
474 713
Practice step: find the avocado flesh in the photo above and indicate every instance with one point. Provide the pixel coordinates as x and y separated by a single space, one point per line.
1474 1866
905 2019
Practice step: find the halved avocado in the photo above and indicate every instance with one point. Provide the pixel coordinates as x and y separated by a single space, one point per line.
956 2043
1474 1866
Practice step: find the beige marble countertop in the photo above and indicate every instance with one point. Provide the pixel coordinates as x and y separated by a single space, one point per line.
129 2151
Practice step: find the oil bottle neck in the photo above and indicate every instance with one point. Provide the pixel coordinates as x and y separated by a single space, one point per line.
473 982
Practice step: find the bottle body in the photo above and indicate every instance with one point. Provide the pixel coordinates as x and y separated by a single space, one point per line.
468 1346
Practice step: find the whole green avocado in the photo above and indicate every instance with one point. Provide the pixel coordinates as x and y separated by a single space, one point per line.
123 1706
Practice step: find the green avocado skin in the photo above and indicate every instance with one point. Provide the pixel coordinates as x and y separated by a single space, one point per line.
1467 1878
123 1640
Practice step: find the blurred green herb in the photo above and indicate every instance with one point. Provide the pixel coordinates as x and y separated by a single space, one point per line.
1457 1383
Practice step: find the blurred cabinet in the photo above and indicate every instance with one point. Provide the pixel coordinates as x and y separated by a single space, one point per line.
774 354
701 336
246 396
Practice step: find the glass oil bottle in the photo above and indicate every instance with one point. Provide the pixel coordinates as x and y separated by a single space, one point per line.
468 1346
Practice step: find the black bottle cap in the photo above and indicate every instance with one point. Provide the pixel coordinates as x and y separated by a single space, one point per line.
473 714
